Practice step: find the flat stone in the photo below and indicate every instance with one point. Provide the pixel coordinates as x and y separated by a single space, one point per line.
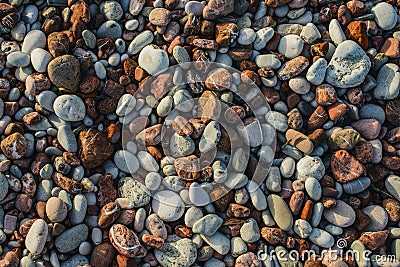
168 205
349 65
385 15
37 236
219 242
70 239
67 139
291 46
321 238
379 218
388 82
392 184
182 253
153 59
135 191
34 39
208 225
280 212
64 72
69 108
341 215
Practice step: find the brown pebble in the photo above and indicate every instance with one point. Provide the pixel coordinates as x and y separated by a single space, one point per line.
374 240
346 167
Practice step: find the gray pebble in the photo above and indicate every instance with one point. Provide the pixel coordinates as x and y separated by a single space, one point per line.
71 239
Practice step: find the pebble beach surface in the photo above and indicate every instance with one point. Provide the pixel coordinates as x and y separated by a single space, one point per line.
183 133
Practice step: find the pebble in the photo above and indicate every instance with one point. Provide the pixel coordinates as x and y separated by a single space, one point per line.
40 59
3 186
219 242
56 210
263 36
341 215
34 39
208 225
182 253
313 188
249 231
280 212
168 205
336 33
372 111
192 215
349 65
135 191
79 209
19 59
126 242
268 61
37 236
246 36
140 41
70 239
67 139
69 108
110 29
379 218
357 186
392 184
316 73
64 72
153 60
290 46
321 238
302 228
384 15
310 167
111 10
388 82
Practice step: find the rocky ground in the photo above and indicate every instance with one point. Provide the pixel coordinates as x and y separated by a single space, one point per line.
283 135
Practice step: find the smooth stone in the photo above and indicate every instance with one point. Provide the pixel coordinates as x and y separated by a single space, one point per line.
219 242
56 209
316 73
257 196
153 180
246 36
335 32
30 14
310 33
250 232
126 161
379 218
192 215
277 120
263 36
69 108
79 208
310 167
341 215
273 181
67 139
109 29
349 65
182 253
153 60
40 59
111 10
147 161
3 186
37 236
140 41
75 260
385 16
70 239
321 238
290 46
89 38
280 212
34 39
168 205
372 111
268 61
18 59
194 7
180 54
288 167
392 184
302 228
358 247
313 188
208 225
238 246
19 31
388 82
197 195
210 138
317 214
135 191
299 85
356 186
181 145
